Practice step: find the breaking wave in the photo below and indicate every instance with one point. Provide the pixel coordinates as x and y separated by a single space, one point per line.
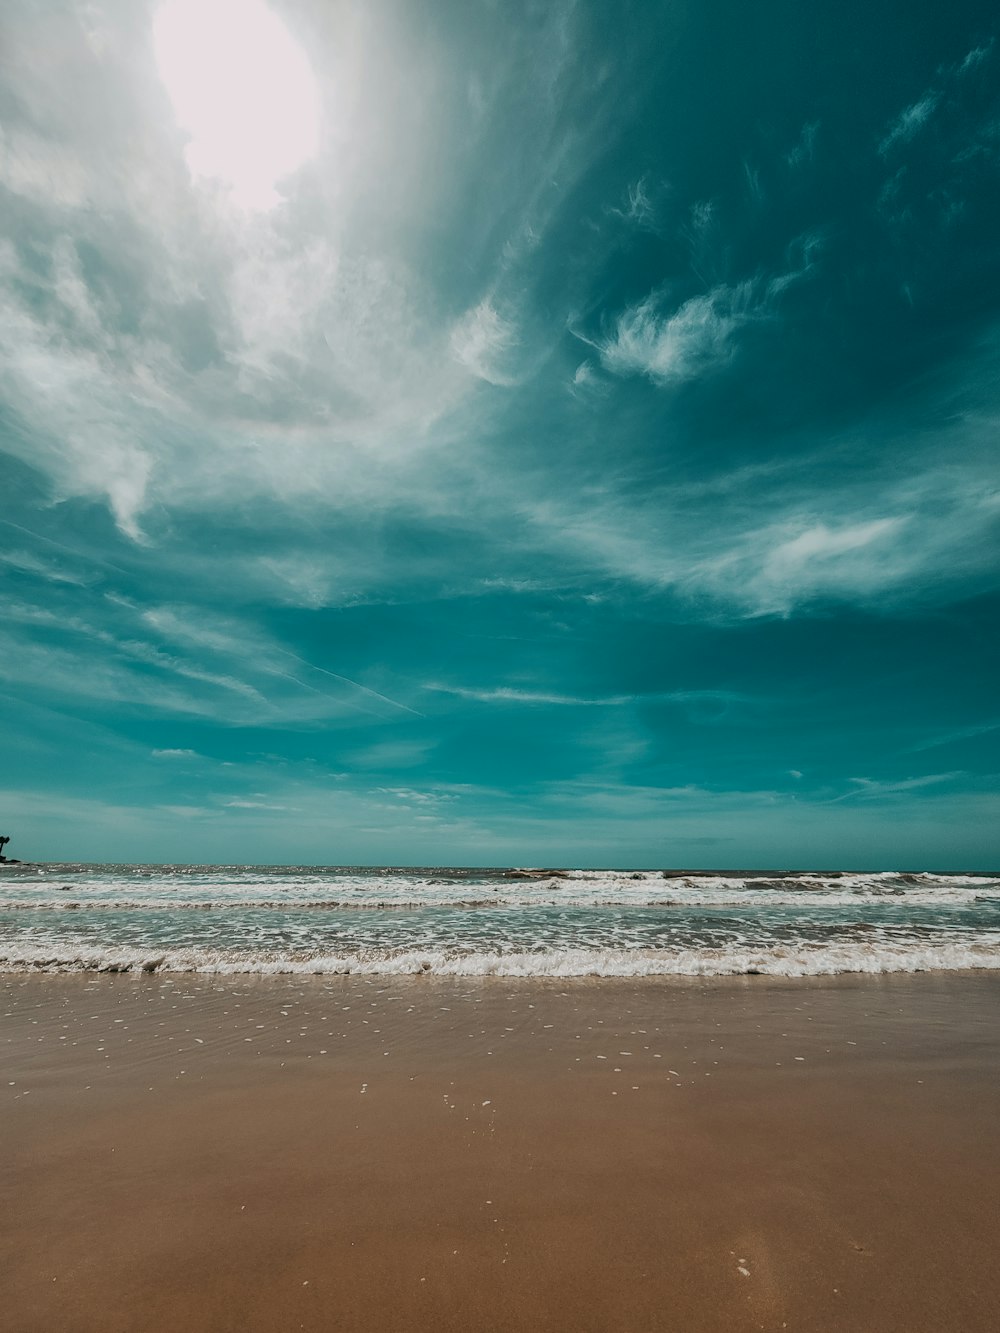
511 923
803 960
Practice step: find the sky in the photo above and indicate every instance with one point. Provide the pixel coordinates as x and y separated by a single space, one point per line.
500 433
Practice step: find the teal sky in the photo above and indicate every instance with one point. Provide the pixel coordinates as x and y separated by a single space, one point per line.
586 454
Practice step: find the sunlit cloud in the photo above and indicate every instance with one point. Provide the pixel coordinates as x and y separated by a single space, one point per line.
242 90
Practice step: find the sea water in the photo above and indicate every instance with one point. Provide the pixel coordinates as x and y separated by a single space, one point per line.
335 919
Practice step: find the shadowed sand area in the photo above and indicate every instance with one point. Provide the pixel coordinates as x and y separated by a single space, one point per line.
208 1153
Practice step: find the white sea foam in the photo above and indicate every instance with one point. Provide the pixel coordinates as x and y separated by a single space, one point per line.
800 960
192 889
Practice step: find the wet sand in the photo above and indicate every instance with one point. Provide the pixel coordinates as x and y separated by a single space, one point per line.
205 1153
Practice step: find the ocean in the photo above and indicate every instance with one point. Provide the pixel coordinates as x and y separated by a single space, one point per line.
501 922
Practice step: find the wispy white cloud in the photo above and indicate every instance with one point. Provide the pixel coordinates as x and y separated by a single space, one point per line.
949 737
803 151
638 208
233 638
486 344
674 346
419 795
28 563
352 684
674 343
976 57
909 122
913 118
239 803
334 351
870 789
59 672
754 184
873 534
691 700
34 168
948 136
389 755
779 566
178 659
509 695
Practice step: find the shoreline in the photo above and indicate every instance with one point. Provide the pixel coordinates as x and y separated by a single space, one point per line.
234 973
390 1152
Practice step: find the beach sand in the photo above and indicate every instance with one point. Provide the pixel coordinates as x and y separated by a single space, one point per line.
233 1153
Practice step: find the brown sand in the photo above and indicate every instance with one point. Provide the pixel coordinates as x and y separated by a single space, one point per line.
382 1154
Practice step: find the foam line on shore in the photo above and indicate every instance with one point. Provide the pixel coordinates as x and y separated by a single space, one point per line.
780 961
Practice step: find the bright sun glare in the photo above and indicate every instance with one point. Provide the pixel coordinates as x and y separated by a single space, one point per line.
243 91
